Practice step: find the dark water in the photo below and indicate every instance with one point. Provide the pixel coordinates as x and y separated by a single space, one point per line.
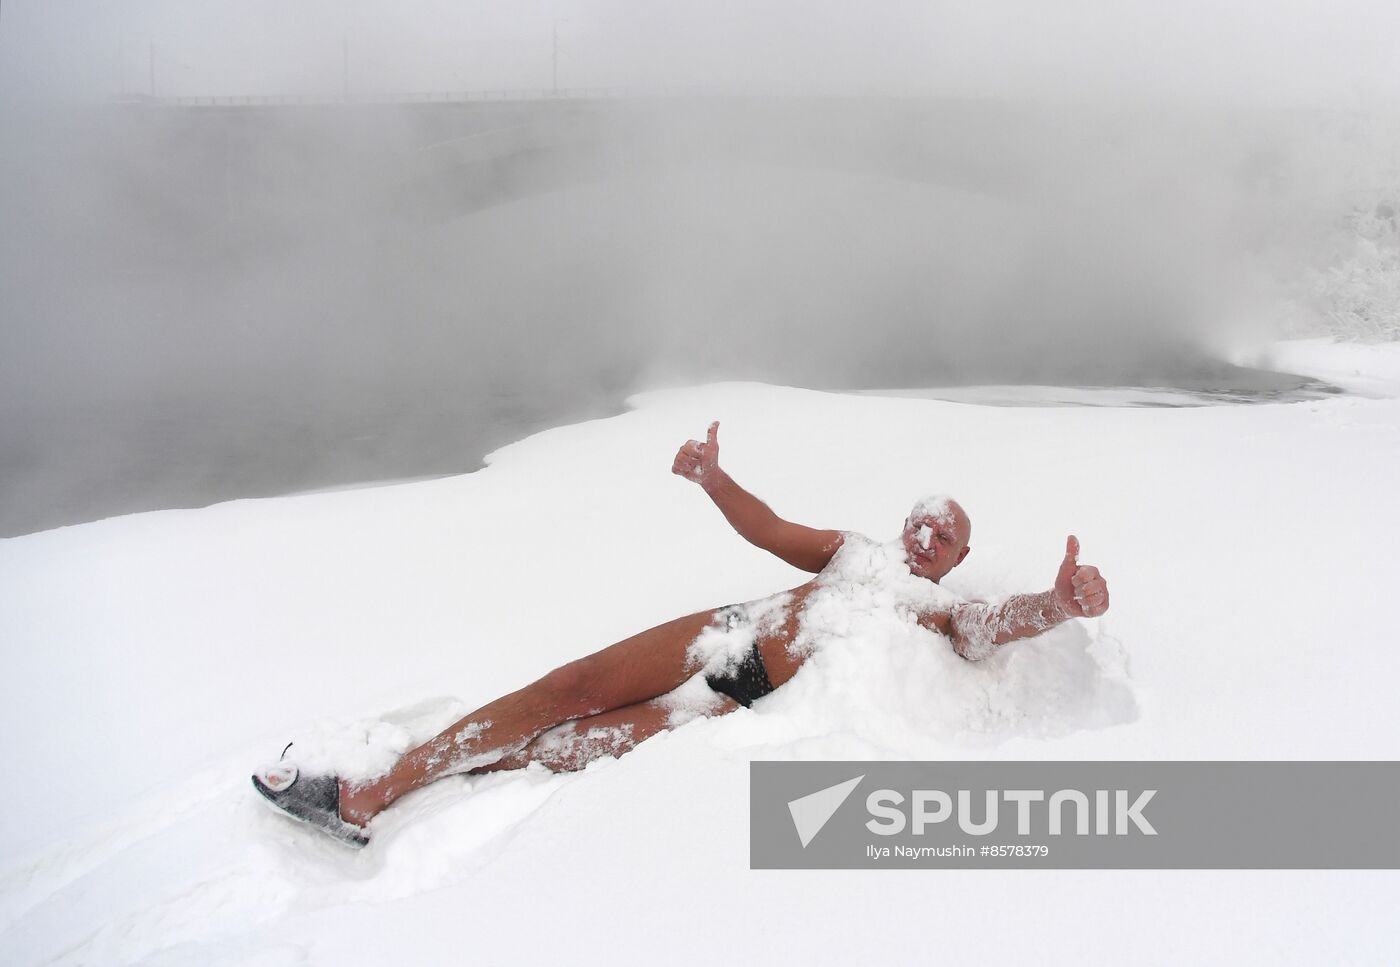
89 462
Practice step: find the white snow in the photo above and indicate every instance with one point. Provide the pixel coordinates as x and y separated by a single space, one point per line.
1042 396
1366 370
154 660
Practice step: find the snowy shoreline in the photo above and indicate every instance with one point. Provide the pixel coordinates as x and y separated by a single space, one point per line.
113 467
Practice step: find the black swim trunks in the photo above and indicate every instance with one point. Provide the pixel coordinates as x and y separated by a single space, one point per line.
747 681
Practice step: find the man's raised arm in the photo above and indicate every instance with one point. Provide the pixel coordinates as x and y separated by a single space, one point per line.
1079 592
802 547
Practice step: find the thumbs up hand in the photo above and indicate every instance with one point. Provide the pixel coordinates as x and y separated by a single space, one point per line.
1080 591
695 460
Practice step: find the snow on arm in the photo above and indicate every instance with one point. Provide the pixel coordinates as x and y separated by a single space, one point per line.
977 629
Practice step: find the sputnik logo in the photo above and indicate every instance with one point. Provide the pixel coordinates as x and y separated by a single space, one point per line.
811 812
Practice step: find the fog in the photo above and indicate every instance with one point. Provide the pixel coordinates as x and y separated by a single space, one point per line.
202 300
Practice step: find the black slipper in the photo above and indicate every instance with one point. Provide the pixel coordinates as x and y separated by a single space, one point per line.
314 800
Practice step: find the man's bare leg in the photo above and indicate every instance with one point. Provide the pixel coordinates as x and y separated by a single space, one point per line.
630 672
572 745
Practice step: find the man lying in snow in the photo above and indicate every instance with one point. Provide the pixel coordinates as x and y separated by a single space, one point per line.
608 702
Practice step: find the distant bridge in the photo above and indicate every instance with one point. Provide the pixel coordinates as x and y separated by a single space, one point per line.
437 156
409 97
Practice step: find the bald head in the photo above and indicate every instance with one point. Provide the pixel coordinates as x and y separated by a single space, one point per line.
936 536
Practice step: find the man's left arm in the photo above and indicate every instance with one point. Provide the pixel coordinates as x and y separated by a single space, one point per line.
1079 592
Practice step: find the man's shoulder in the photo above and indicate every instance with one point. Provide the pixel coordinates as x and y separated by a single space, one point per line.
849 542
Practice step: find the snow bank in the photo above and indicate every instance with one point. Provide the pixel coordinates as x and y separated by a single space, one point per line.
155 659
1366 370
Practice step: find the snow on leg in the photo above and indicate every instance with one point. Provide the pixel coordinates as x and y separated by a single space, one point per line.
630 672
571 746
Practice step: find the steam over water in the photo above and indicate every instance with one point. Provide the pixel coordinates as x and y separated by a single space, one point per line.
205 302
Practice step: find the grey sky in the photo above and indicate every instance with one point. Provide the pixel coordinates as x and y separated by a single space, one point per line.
1293 52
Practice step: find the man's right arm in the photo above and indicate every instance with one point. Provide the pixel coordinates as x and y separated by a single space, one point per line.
803 547
977 629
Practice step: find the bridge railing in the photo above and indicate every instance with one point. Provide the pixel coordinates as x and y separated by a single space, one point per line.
408 97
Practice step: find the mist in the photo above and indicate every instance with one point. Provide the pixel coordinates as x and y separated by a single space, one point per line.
472 221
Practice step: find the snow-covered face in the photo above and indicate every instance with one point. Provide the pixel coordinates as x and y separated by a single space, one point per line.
935 537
